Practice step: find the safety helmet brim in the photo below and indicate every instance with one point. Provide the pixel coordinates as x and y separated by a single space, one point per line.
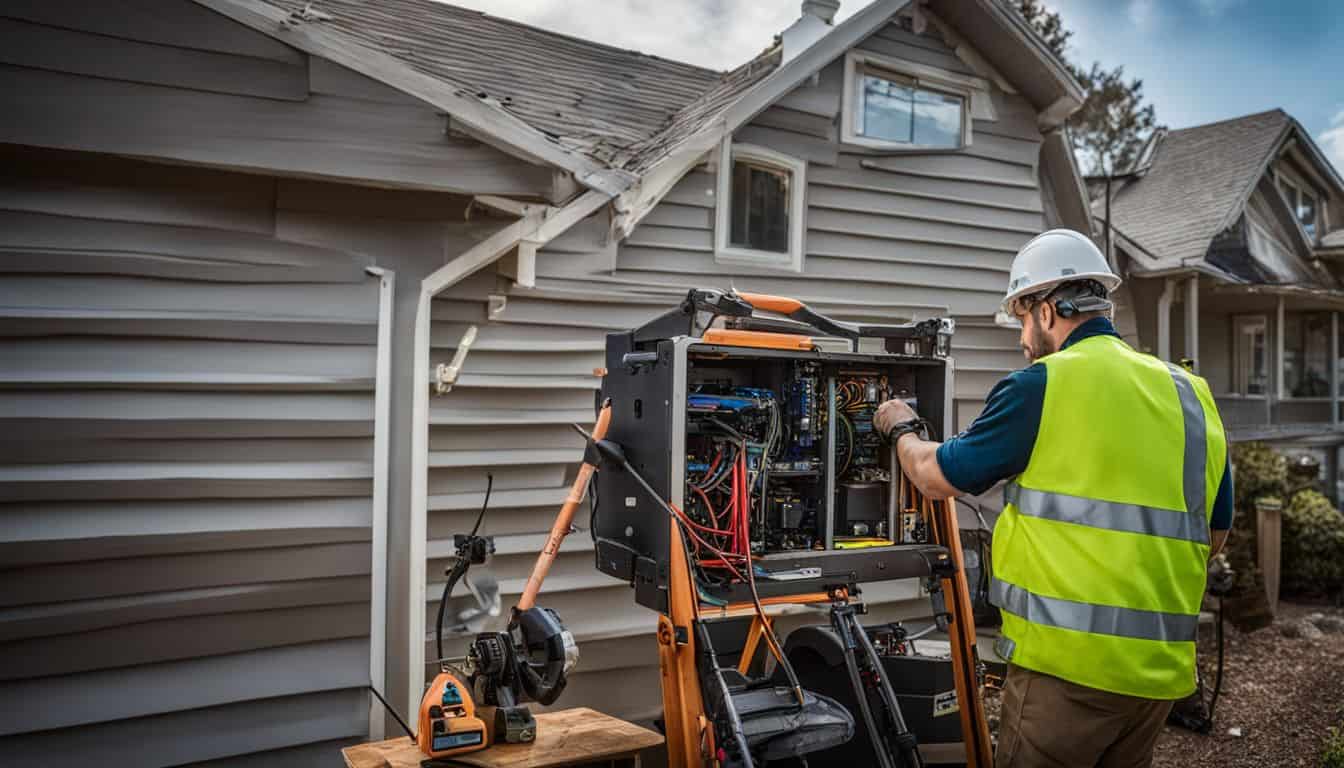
1108 280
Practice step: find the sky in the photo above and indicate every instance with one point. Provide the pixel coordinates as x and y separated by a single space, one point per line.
1200 60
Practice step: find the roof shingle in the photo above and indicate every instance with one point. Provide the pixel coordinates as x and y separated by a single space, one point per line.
1197 180
617 106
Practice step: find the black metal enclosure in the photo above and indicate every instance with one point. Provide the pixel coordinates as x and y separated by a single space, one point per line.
825 509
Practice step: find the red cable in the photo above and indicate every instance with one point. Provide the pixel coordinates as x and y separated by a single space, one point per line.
744 512
705 528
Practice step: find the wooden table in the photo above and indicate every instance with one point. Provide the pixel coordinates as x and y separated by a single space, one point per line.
570 737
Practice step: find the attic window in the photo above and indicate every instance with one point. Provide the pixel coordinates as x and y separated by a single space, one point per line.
893 104
1303 204
895 109
759 219
1306 213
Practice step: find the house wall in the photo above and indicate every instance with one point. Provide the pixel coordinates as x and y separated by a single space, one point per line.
889 237
173 80
187 468
188 472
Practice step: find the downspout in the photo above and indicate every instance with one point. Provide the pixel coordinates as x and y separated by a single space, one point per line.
539 225
382 419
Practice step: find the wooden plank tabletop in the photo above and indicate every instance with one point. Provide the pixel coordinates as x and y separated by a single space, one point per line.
566 737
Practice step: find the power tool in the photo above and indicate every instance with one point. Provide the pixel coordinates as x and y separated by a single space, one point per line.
448 723
529 660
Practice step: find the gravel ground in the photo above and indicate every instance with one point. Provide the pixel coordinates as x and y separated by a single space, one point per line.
1281 692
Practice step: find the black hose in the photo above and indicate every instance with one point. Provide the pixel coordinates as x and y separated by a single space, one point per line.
860 694
1218 679
400 722
905 741
459 569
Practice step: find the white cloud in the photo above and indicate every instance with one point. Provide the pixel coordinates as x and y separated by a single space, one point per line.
1332 141
719 34
1140 12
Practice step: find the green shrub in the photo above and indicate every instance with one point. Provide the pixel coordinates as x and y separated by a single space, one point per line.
1332 755
1260 471
1313 545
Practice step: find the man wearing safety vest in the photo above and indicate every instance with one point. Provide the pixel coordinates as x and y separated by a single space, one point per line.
1118 494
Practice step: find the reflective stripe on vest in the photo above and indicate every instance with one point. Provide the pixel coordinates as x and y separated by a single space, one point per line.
1097 619
1195 446
1110 515
1187 525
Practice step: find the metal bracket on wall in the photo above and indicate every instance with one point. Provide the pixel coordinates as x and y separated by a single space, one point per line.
445 375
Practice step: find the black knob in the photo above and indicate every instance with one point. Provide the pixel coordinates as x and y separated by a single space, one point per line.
440 727
435 712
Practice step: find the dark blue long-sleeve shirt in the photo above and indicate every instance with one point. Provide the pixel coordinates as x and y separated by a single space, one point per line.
999 442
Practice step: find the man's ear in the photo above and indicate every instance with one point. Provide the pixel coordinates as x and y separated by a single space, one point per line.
1047 317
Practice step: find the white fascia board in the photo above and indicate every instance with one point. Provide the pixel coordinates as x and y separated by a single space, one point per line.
1030 40
488 123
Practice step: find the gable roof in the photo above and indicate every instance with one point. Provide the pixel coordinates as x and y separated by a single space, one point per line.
1196 183
605 114
591 98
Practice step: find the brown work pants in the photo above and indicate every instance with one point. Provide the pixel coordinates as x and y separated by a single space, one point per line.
1047 721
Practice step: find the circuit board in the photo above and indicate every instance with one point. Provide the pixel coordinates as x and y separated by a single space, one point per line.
784 458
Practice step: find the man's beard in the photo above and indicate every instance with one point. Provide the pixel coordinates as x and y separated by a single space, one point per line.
1039 345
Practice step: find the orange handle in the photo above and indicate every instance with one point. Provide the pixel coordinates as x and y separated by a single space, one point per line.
781 304
564 520
731 337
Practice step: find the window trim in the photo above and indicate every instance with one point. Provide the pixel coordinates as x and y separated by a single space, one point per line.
1312 237
726 253
974 92
1294 200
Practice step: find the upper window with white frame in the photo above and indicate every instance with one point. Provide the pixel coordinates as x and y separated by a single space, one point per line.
893 104
760 209
1303 204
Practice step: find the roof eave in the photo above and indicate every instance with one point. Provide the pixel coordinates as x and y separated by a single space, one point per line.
487 123
1319 157
1041 76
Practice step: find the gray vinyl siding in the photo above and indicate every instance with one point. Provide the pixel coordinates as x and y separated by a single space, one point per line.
185 474
889 237
171 79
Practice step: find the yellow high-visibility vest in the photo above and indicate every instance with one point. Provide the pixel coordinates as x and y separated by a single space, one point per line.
1100 553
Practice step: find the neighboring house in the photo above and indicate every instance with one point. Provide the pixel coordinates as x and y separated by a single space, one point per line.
1230 235
240 238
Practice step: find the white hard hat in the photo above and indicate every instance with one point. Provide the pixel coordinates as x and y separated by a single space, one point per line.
1054 257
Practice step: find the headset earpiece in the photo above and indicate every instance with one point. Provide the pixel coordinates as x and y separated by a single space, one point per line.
1065 308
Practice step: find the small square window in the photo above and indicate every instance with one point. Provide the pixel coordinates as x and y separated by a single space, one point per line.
760 207
898 111
760 210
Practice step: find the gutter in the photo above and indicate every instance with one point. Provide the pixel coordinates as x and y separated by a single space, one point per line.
536 226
